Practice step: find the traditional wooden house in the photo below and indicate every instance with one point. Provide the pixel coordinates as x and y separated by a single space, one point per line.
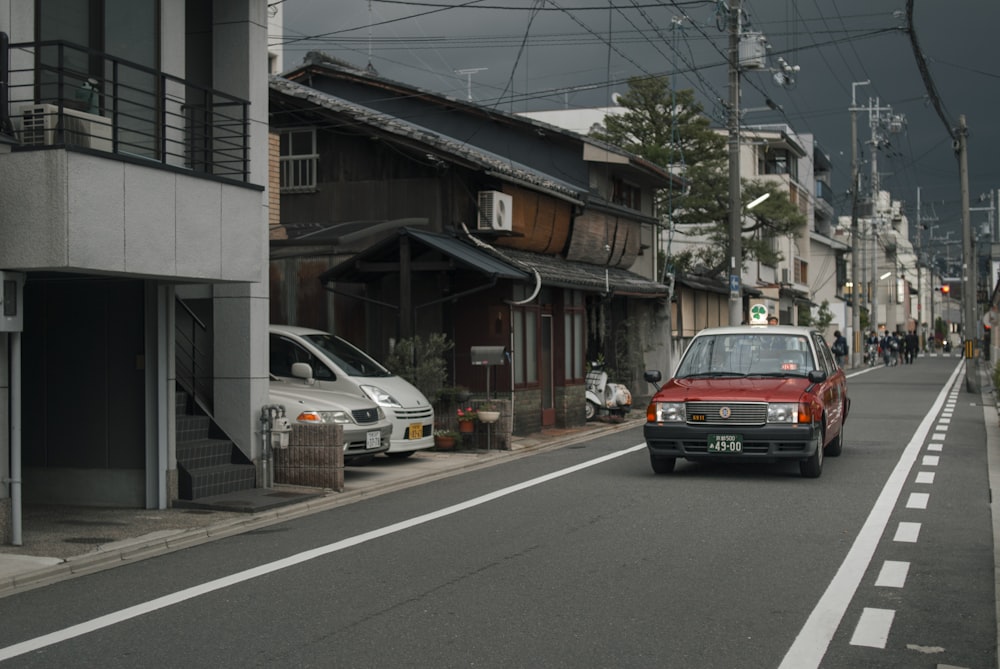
406 213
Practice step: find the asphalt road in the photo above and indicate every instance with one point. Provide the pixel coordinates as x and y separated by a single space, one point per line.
581 557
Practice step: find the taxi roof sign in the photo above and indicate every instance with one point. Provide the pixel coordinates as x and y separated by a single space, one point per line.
758 314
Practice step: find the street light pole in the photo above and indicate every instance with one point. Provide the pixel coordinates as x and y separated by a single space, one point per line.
970 325
735 210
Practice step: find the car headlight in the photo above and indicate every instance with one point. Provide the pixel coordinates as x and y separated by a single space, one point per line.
314 417
783 412
380 397
666 412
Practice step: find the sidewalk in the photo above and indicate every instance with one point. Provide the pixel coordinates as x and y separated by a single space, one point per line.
61 542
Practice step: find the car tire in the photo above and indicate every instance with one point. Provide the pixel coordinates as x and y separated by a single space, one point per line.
662 465
399 455
836 447
812 467
591 410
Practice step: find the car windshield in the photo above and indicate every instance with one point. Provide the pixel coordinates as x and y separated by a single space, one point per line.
348 357
753 353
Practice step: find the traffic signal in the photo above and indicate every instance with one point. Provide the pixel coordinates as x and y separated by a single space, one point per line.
945 289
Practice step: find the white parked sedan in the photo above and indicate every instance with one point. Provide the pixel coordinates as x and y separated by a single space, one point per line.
367 431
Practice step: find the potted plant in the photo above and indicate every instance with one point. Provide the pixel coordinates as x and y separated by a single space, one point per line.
488 412
444 440
466 419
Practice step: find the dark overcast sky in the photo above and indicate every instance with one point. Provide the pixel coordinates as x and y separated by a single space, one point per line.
575 53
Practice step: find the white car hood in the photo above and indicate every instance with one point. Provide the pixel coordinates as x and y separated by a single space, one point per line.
302 396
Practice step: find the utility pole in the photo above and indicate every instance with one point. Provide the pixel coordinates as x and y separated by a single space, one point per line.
855 185
970 327
735 210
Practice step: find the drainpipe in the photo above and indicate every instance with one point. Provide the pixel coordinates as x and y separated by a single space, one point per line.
15 437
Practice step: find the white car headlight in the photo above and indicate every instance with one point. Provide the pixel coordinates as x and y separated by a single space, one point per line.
380 397
670 412
783 412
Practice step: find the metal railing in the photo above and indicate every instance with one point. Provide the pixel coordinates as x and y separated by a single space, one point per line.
62 94
192 355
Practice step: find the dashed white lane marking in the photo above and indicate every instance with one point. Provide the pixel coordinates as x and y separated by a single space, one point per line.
930 460
935 447
873 628
893 574
907 533
170 599
938 435
813 640
924 477
918 500
941 421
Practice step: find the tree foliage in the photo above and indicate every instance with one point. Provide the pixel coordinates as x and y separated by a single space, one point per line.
668 128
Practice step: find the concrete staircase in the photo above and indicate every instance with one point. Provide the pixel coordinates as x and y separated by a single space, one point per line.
208 463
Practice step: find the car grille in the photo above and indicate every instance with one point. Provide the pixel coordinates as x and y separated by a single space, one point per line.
363 416
741 413
413 414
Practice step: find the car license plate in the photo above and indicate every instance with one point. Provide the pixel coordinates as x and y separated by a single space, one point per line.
373 439
416 431
725 443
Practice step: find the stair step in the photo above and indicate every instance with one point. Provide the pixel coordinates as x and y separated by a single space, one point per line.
221 479
204 453
192 428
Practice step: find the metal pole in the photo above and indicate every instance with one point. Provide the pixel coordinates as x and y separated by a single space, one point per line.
735 212
856 351
970 326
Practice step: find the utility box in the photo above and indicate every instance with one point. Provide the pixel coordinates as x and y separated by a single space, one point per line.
11 301
489 355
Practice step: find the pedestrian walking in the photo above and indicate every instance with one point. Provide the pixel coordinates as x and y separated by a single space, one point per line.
912 347
839 348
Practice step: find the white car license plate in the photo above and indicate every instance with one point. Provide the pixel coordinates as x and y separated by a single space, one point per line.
373 439
725 443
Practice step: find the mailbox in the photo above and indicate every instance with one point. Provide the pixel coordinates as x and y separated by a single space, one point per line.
489 355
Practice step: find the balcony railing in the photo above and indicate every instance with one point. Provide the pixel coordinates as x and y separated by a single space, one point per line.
62 94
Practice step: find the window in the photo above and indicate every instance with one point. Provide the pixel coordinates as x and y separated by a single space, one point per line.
625 194
574 351
298 160
525 357
777 161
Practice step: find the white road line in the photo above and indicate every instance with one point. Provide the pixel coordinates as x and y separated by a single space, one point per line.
935 447
918 500
893 574
930 460
262 570
942 420
938 435
907 533
924 477
810 645
873 628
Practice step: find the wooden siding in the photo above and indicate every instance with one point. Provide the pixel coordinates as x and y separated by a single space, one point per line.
540 224
604 239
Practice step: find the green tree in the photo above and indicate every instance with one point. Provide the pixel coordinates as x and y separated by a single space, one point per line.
668 128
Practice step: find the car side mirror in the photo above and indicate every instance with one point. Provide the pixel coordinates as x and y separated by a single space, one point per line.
302 370
817 375
653 376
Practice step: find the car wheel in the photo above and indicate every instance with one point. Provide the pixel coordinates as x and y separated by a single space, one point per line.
662 465
835 447
812 466
399 455
591 411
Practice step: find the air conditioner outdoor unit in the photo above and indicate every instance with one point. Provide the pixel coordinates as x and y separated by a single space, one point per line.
40 123
495 209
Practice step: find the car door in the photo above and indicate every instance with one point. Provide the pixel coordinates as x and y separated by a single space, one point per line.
833 389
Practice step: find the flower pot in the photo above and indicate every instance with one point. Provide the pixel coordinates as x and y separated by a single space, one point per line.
444 443
466 426
488 416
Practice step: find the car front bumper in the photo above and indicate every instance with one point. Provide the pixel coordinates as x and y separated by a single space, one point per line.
356 440
679 440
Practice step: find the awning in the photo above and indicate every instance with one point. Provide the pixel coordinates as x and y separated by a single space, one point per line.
374 262
558 272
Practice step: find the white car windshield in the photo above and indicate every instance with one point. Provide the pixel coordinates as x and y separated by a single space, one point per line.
756 353
349 358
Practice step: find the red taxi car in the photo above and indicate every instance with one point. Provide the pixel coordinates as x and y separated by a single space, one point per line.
750 393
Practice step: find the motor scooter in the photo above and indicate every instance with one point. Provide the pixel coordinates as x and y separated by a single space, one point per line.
603 398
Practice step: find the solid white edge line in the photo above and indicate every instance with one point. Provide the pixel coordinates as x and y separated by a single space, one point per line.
262 570
814 638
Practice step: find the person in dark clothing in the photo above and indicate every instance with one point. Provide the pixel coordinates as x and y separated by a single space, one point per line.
839 348
912 346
